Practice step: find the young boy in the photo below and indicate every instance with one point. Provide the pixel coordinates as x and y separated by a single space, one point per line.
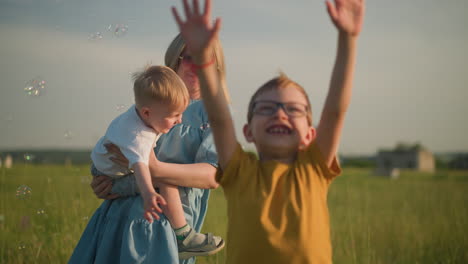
277 204
160 99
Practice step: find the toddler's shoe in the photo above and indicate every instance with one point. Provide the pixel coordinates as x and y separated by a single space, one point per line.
196 244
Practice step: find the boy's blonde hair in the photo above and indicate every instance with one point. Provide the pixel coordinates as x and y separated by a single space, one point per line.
173 54
159 83
280 82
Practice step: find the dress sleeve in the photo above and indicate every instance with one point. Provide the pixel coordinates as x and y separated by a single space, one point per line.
206 153
125 186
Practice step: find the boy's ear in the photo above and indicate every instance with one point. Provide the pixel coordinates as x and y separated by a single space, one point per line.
309 137
145 112
248 133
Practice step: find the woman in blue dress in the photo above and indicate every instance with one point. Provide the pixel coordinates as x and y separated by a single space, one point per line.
186 157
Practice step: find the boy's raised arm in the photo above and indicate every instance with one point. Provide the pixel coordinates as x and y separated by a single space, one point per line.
199 34
347 16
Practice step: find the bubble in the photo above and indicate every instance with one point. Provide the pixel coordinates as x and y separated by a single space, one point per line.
67 134
120 107
95 36
119 30
40 211
21 246
205 126
2 218
28 157
85 179
35 87
23 192
85 218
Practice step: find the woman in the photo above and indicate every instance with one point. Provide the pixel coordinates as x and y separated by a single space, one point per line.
186 157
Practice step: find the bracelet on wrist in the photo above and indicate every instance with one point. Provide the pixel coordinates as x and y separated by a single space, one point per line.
195 66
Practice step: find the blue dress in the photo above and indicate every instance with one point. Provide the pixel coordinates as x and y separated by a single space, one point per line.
118 233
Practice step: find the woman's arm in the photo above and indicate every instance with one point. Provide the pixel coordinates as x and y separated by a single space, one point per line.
197 175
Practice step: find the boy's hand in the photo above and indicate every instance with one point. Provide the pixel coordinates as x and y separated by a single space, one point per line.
197 31
151 206
347 15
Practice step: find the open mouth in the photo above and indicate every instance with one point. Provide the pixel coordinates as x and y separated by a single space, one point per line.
279 130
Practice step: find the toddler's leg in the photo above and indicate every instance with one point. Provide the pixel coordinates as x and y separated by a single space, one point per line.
189 242
173 208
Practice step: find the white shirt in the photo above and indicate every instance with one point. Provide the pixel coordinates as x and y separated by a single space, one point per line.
134 138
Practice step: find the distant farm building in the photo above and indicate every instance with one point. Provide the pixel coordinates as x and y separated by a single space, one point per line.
460 162
8 162
404 156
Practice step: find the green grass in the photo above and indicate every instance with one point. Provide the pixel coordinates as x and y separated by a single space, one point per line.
418 218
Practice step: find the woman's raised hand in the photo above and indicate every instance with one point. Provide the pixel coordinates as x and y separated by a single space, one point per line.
197 30
347 15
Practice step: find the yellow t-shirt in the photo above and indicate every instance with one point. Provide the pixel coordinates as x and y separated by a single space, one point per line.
277 212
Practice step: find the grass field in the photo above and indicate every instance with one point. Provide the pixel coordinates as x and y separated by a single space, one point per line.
416 219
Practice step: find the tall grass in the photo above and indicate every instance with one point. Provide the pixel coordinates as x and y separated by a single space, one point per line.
418 218
44 227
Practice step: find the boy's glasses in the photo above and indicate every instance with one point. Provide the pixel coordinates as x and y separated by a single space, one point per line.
268 108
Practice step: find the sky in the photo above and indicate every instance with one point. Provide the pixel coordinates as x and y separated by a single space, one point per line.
410 84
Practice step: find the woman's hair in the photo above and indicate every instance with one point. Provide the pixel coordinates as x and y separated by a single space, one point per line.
279 82
173 52
159 83
172 58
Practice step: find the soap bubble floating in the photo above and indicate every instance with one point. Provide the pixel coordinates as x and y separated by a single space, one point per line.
23 192
85 179
118 30
21 246
28 157
120 107
35 87
68 135
95 36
